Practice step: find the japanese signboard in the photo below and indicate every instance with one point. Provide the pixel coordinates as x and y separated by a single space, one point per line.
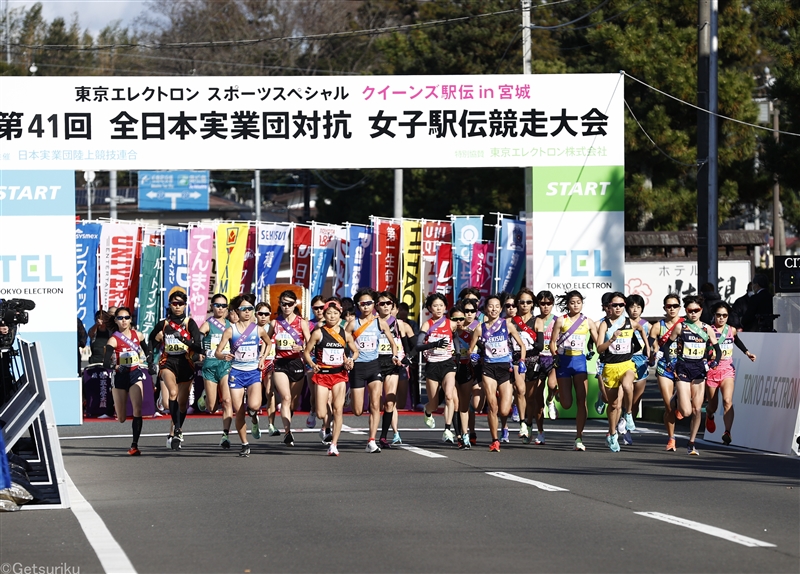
173 190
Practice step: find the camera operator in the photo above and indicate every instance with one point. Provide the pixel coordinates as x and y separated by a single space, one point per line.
13 312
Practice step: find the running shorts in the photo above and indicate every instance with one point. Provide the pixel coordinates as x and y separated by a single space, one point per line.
641 366
613 373
500 372
689 371
545 365
661 370
464 373
124 379
439 370
330 380
388 367
570 365
242 379
179 365
292 368
365 373
215 370
724 370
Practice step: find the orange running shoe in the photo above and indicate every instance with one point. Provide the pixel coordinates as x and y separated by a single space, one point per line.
671 445
711 426
495 446
134 451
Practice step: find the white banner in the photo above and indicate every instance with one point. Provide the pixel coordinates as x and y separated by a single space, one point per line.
117 254
321 122
766 394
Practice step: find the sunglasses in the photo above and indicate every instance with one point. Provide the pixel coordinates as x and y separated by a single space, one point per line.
246 309
318 308
459 319
288 303
697 310
128 317
470 310
220 305
721 316
510 306
263 313
385 303
616 305
471 300
545 303
177 303
672 306
366 303
526 301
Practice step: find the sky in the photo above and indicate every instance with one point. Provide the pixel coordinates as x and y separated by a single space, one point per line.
93 15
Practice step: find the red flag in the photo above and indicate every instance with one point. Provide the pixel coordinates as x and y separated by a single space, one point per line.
387 251
444 272
301 256
249 269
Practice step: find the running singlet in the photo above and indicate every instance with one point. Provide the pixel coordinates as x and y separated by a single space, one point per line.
329 351
725 339
129 356
529 338
646 326
214 336
440 329
172 344
245 349
575 344
367 340
384 347
622 349
673 347
692 346
549 323
495 342
462 340
285 339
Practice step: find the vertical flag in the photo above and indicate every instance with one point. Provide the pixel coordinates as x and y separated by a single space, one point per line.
511 248
444 272
482 267
272 241
150 289
201 250
467 230
433 234
387 254
301 255
117 255
359 250
324 246
249 270
340 264
410 271
231 245
87 240
176 259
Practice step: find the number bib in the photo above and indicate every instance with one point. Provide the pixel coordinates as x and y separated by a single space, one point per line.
694 350
622 344
128 359
367 343
284 341
727 350
384 347
575 342
497 348
173 345
247 353
333 357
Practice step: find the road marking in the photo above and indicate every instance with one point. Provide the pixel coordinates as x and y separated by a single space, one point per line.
706 529
422 451
111 555
351 430
536 483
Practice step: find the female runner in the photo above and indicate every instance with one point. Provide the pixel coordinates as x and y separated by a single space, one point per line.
130 350
244 344
476 403
526 383
263 315
215 372
387 303
659 333
495 333
290 332
720 380
573 330
330 364
543 326
634 304
317 305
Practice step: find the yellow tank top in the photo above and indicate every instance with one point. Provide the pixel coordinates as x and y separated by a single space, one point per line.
575 344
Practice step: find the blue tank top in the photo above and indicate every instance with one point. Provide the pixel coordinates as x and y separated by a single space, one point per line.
367 341
495 343
245 350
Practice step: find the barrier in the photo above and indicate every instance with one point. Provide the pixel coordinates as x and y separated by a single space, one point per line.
766 394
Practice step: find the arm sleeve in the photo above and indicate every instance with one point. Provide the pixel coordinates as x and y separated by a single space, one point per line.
108 356
538 345
717 352
196 344
739 343
145 347
421 345
156 330
408 345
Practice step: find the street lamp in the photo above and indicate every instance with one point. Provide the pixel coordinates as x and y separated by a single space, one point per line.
33 69
89 177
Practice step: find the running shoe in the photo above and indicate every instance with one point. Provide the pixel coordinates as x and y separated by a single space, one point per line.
175 443
311 421
201 402
429 422
524 432
608 440
504 436
473 438
726 437
256 432
372 447
225 442
245 451
169 441
459 442
711 426
326 436
273 431
621 425
600 405
539 439
671 445
552 412
134 451
613 442
514 413
690 449
495 446
579 445
288 440
396 439
384 444
466 441
448 436
627 439
333 451
629 424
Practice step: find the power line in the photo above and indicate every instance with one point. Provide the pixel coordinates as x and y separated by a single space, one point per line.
565 24
653 142
691 105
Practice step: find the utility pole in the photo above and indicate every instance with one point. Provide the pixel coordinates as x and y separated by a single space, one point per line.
257 194
8 37
398 194
526 70
306 196
778 237
112 194
707 146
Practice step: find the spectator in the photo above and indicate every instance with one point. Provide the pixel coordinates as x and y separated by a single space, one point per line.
759 307
99 334
739 308
710 298
82 339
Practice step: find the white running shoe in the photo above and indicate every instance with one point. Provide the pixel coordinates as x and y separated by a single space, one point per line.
448 436
552 413
523 430
372 447
621 425
539 439
629 424
429 422
333 451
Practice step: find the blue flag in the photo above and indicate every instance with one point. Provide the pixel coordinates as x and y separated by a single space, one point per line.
87 241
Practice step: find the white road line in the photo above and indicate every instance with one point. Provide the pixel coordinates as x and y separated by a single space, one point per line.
351 430
536 483
706 529
111 555
422 451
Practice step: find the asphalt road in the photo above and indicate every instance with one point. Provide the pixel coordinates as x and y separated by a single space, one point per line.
296 510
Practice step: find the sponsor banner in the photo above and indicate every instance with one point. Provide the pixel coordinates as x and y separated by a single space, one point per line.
387 254
511 255
766 394
467 230
176 260
411 267
433 234
201 251
272 241
340 264
117 264
301 255
231 245
444 272
324 239
150 289
87 241
579 234
654 280
482 267
359 253
319 122
249 270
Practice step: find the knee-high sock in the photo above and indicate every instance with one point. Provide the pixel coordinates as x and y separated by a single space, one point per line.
183 418
387 422
174 412
137 429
